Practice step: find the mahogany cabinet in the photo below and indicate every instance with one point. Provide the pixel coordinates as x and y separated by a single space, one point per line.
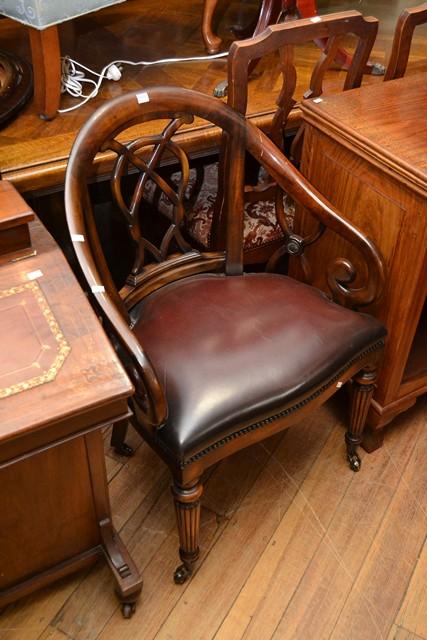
366 151
60 383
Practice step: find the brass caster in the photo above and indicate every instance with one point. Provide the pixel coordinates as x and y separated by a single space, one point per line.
181 575
378 69
128 609
221 89
124 450
354 461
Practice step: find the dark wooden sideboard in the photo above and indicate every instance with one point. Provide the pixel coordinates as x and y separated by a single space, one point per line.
366 151
60 383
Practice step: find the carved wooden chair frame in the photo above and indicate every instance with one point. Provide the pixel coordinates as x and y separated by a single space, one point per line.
104 136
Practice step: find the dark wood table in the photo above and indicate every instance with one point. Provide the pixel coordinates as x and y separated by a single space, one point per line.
60 383
366 151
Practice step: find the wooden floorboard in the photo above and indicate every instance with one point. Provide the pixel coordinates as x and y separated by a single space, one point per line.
294 545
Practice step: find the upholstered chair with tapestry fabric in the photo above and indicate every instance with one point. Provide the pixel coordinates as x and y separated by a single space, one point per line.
264 229
219 358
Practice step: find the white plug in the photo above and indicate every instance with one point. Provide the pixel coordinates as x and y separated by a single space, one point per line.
113 72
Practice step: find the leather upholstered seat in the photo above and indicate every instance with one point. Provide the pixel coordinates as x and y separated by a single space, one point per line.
249 348
219 359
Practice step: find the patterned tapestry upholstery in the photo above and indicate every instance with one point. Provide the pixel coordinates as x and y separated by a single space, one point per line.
260 224
43 13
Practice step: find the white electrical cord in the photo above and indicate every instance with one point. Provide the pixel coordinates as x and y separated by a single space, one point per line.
73 80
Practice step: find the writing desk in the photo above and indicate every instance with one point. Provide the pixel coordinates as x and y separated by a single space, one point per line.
366 151
60 383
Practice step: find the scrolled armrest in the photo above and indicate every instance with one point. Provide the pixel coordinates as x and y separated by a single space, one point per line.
341 273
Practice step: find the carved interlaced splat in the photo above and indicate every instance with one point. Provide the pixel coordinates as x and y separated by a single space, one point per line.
145 155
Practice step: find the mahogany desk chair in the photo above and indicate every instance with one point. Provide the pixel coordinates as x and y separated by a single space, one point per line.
263 228
219 359
408 20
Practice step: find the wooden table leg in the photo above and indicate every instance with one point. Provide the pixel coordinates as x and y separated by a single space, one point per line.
212 41
126 575
46 57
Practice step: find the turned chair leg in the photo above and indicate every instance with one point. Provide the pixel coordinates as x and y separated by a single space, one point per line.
187 508
363 389
118 437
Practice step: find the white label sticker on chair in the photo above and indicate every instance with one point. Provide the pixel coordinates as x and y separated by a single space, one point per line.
97 288
315 19
33 275
77 237
142 97
317 100
339 384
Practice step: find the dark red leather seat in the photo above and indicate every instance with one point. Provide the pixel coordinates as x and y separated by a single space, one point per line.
248 347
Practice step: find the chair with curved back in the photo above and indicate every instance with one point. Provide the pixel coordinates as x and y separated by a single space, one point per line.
263 230
408 20
219 359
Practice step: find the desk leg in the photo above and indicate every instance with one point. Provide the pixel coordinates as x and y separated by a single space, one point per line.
212 41
128 580
46 57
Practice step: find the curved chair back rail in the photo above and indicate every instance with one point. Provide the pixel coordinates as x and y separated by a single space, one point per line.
219 359
407 21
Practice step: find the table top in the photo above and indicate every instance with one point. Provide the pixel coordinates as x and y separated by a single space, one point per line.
384 121
57 365
34 153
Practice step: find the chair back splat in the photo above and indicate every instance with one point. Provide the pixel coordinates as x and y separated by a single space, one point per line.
219 358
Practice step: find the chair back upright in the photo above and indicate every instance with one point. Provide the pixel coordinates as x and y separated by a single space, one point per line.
406 23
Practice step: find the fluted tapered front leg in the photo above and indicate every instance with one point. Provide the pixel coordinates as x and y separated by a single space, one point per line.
187 507
363 389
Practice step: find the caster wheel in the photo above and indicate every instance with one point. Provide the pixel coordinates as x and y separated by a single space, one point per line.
378 69
124 450
181 574
128 609
221 89
355 462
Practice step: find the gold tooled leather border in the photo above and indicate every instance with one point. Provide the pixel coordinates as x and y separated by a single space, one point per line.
63 346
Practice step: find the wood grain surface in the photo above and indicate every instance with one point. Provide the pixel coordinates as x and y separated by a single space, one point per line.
33 153
368 155
91 375
301 548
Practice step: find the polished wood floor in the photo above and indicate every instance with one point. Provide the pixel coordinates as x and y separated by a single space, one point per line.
294 546
33 153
